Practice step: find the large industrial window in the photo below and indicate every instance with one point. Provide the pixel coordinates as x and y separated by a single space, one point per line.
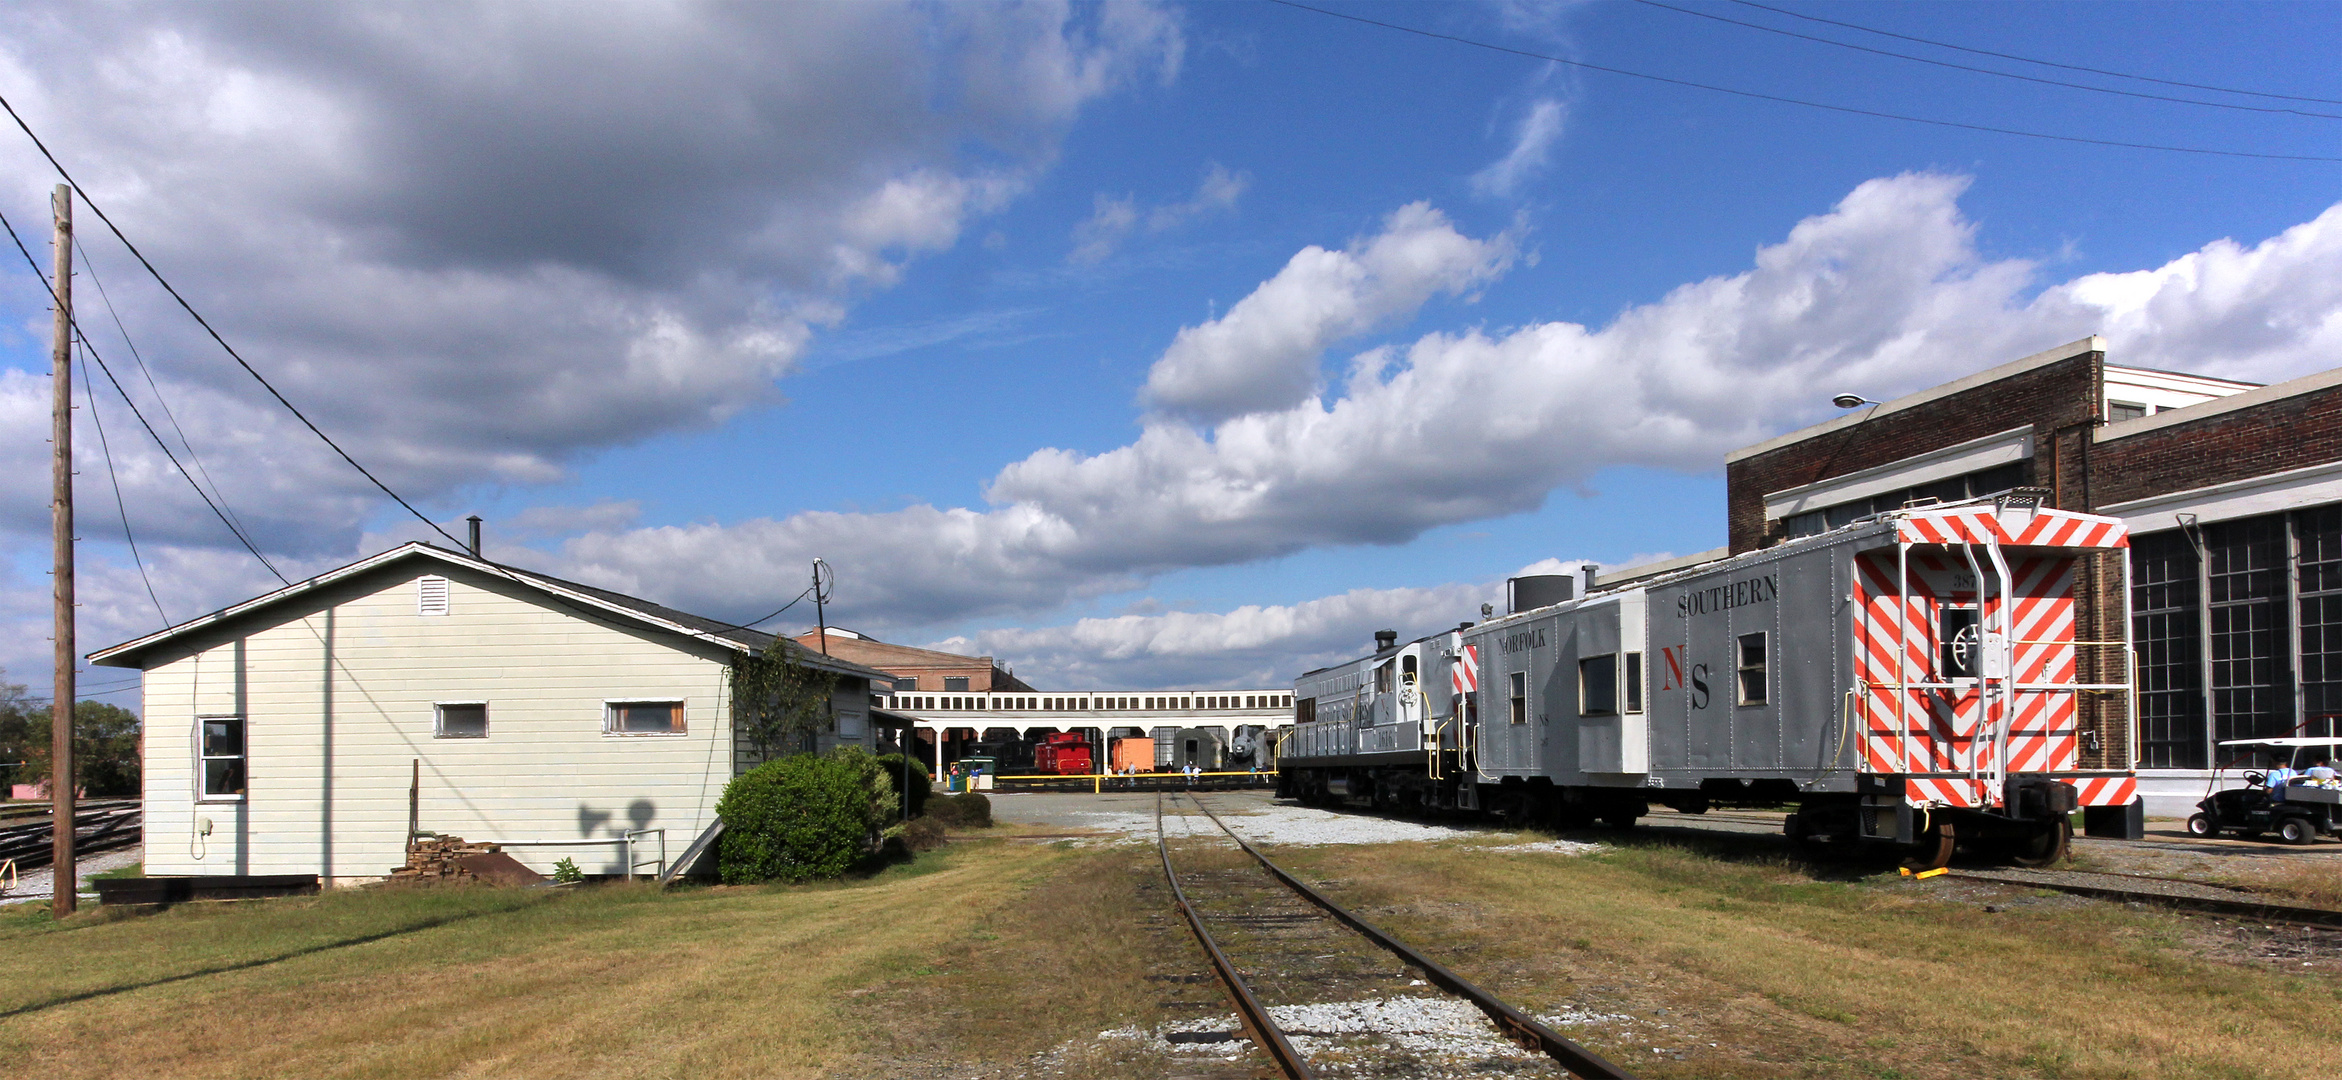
1598 685
955 684
1520 697
1752 669
460 720
221 747
2251 673
643 718
1634 682
2165 628
2319 532
1974 485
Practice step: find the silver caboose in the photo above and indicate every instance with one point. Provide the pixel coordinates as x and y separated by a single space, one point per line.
1915 678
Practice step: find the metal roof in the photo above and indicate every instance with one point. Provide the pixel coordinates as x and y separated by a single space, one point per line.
568 593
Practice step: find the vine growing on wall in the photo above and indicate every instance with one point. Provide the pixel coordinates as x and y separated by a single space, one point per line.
779 703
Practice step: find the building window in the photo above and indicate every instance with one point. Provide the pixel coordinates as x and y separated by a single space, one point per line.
1752 669
460 720
643 718
2252 692
955 684
430 595
1598 685
2119 411
1634 682
222 753
904 686
2319 534
1975 485
1520 699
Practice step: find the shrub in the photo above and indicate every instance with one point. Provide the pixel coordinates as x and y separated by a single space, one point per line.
968 811
802 817
918 787
923 834
566 870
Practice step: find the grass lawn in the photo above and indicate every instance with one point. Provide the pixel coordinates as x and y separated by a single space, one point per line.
617 981
1788 974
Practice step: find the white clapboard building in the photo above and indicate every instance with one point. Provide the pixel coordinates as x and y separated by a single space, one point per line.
287 734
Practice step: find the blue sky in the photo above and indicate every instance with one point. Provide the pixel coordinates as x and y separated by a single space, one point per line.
970 301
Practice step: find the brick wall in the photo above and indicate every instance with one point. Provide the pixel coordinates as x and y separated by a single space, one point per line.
2289 433
2060 399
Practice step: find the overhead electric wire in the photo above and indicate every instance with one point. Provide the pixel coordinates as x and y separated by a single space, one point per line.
1989 71
775 615
90 392
215 334
90 267
1759 96
93 354
2031 60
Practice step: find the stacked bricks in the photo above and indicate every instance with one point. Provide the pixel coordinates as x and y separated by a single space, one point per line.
439 860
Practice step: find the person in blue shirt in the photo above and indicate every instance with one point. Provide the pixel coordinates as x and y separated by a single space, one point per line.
2275 780
2321 773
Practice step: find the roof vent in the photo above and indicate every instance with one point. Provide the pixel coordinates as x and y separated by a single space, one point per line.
430 595
1385 639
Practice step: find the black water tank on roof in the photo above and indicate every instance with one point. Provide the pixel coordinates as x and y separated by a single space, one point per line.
1539 590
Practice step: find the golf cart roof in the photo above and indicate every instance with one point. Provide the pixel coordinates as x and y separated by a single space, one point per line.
2287 743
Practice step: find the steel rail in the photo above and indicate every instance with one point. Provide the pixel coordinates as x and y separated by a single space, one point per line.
1511 1021
1257 1022
2264 911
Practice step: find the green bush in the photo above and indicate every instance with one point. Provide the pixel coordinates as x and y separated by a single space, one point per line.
923 834
969 811
919 786
803 817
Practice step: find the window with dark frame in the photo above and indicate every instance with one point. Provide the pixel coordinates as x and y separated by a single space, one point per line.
460 720
1634 682
1520 697
955 684
1598 685
2119 411
1752 669
222 752
1958 641
644 718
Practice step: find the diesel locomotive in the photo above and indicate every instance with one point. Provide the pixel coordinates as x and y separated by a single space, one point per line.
1913 679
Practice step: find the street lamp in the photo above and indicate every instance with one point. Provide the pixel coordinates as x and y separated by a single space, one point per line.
1849 401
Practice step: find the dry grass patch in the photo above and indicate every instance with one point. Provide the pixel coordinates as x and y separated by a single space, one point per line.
1789 975
616 981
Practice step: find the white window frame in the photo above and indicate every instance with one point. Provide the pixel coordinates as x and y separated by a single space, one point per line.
439 720
610 717
1585 699
202 774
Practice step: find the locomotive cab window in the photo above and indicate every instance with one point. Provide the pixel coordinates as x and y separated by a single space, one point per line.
1407 671
1598 685
1634 682
1957 637
1752 669
1520 697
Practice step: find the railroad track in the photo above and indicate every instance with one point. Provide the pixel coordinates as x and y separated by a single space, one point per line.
2167 892
1305 934
96 827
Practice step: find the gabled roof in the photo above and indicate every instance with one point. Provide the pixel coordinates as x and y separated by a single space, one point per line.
560 592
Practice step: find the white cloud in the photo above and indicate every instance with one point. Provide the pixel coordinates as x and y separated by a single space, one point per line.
476 243
1883 294
1263 354
1533 142
1112 219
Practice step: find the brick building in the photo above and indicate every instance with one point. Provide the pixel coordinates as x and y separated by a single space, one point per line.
2233 493
914 668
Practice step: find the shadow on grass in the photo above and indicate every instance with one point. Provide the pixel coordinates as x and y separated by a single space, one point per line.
247 965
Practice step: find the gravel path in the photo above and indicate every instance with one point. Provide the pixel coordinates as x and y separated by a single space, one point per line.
37 884
1124 818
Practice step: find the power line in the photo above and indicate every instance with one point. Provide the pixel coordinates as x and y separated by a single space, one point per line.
90 267
1755 95
142 422
2031 60
1989 71
90 392
215 334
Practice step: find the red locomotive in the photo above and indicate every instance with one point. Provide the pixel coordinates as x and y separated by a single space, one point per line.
1064 753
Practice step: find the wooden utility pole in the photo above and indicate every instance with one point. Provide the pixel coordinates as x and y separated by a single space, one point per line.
61 521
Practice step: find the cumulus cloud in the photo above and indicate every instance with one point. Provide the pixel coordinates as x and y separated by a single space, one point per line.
1113 218
1885 293
1264 353
1533 140
477 241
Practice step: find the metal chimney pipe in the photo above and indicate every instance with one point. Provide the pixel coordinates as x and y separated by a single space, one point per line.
474 520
